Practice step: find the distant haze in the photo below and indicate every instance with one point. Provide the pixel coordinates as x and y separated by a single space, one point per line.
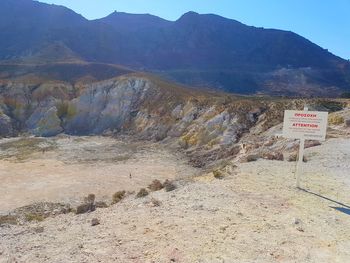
323 22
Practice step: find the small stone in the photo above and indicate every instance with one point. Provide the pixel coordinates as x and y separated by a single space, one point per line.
198 207
297 221
273 156
55 212
95 222
312 143
251 158
347 123
223 228
300 229
38 230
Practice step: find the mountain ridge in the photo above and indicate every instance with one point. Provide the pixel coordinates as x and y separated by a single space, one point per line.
197 49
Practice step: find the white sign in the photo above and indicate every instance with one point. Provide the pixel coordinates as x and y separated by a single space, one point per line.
308 125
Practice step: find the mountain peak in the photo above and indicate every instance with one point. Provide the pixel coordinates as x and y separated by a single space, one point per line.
188 16
190 13
126 21
192 16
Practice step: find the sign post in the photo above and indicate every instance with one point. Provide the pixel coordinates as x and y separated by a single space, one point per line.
301 157
304 125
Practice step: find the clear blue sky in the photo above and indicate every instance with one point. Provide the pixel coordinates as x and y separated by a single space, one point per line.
324 22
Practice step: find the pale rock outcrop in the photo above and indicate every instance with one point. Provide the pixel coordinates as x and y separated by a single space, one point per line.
5 125
106 105
44 122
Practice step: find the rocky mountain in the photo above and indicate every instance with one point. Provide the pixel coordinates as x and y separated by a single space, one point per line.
207 125
198 50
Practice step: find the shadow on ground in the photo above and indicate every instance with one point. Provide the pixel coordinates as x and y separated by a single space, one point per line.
344 208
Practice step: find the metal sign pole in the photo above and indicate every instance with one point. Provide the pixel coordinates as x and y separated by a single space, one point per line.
299 170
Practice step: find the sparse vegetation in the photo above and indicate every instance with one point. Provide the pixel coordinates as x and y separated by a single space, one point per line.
87 206
156 185
8 219
118 196
218 174
34 217
23 148
90 199
142 193
335 119
101 204
155 202
169 186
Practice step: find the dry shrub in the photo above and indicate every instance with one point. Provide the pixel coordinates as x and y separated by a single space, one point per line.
101 204
335 119
87 206
142 193
169 186
218 174
34 217
118 196
90 199
8 220
155 202
156 185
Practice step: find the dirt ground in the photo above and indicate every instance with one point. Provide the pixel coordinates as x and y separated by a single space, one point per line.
65 169
253 214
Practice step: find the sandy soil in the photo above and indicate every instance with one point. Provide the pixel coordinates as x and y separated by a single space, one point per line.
254 214
65 169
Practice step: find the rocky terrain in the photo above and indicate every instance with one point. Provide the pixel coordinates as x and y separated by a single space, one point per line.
252 212
101 161
206 125
242 206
